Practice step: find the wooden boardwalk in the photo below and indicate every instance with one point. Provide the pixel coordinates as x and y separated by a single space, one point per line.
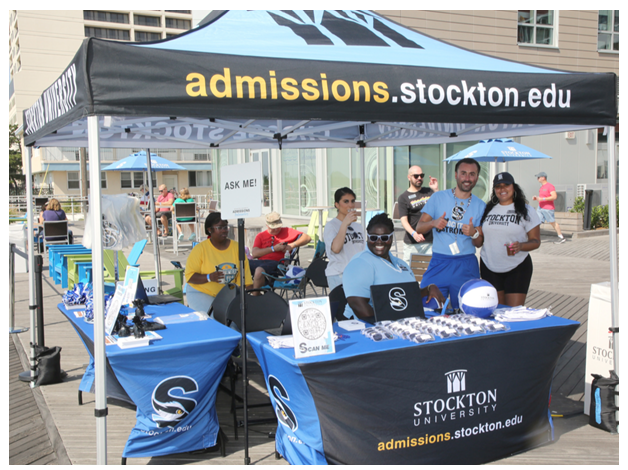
71 435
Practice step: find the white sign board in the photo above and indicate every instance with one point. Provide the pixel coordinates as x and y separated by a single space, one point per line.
241 191
312 327
599 358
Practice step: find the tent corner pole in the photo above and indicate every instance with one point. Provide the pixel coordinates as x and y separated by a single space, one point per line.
612 223
31 264
100 409
153 225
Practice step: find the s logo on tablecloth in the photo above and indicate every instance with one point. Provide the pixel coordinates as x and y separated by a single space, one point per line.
171 408
284 414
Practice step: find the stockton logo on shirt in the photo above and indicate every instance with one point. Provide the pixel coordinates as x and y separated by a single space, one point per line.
351 236
456 403
511 217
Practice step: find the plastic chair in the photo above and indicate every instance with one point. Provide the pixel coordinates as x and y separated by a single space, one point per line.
57 229
312 227
183 210
314 277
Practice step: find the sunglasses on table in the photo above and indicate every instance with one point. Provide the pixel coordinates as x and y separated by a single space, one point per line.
384 238
420 175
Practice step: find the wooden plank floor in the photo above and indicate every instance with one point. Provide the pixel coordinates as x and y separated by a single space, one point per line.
577 443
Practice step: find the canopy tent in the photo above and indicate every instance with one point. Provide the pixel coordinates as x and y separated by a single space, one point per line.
268 79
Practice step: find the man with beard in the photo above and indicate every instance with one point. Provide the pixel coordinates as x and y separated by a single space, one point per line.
453 215
410 204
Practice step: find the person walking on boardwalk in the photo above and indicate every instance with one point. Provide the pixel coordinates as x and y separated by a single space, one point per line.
547 196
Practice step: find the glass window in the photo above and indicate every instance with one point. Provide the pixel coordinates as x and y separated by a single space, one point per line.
536 27
290 181
74 180
338 171
135 179
143 36
608 30
425 156
200 178
106 33
106 16
484 185
176 23
144 20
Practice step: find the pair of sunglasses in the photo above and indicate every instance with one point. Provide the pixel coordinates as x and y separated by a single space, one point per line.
384 238
420 175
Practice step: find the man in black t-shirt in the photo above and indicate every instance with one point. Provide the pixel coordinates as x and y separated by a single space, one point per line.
410 204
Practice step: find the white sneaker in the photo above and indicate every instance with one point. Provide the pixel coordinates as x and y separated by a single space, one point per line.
192 237
560 240
180 237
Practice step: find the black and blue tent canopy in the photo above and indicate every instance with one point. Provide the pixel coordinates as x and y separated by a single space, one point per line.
300 79
258 79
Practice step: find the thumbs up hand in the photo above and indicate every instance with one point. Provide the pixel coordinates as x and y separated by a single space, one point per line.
469 229
441 222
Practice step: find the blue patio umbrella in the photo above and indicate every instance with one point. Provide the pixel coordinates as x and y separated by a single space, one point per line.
137 162
497 150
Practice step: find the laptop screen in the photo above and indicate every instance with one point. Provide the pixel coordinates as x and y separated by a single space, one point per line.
396 301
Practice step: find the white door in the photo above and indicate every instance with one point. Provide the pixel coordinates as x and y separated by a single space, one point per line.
171 182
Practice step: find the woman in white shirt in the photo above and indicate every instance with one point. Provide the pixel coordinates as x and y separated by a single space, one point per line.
511 229
344 237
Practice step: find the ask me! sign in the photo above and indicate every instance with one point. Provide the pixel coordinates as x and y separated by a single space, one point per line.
241 191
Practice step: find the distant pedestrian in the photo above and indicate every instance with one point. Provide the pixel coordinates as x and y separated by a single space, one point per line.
547 196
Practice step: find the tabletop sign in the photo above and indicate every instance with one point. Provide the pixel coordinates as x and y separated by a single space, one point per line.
312 327
111 312
241 190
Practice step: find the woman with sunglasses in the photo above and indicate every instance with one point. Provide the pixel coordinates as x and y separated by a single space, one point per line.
344 236
203 269
376 266
511 229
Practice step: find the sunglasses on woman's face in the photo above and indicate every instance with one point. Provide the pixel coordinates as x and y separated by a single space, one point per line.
384 238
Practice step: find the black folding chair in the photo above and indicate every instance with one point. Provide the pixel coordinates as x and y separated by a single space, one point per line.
264 312
337 303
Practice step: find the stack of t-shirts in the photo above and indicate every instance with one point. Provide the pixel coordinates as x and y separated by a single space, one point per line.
521 313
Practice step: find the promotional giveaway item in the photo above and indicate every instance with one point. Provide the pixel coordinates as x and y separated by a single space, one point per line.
478 297
312 327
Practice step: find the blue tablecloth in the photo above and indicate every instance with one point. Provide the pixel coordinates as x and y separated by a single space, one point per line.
462 400
173 382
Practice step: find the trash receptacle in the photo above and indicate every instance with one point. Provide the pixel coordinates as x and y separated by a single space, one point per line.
17 235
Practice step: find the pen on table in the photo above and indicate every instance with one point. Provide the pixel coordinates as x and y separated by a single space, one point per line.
444 309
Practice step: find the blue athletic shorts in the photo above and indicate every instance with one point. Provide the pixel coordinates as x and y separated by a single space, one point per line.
450 272
546 215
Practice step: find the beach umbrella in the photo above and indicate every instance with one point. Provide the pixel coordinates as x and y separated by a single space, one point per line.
497 150
137 162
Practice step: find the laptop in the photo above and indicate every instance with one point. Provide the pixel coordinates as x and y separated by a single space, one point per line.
153 299
396 301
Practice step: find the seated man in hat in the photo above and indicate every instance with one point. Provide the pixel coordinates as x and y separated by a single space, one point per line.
272 245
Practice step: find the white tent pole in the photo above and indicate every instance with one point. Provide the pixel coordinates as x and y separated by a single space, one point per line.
363 176
30 217
612 225
153 225
95 207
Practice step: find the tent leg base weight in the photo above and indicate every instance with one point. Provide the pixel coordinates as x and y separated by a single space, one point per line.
26 376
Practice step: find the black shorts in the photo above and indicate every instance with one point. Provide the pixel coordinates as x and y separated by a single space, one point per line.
269 266
516 281
168 214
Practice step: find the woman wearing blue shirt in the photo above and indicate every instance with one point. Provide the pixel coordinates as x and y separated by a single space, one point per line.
376 266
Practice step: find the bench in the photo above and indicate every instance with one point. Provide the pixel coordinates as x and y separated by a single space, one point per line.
419 264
